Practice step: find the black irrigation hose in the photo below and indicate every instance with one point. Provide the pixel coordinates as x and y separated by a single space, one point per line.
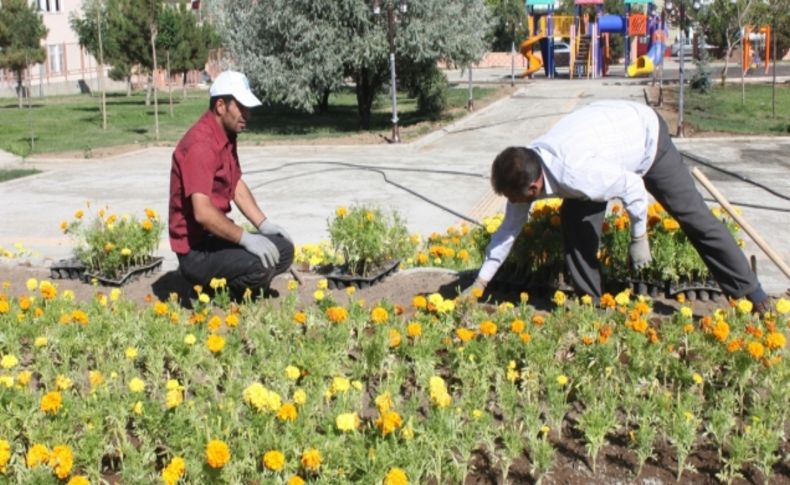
352 166
752 206
740 177
371 167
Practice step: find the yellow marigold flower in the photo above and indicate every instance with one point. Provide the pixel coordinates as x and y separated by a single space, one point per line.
686 312
23 378
232 320
350 290
721 331
383 402
161 308
40 342
396 476
137 385
287 412
300 397
379 315
562 379
147 225
81 480
744 306
7 381
357 385
8 361
131 353
339 385
37 454
217 283
394 338
775 340
341 212
261 398
292 372
318 295
68 295
559 298
61 460
755 349
204 298
62 382
5 455
388 421
50 402
214 323
322 284
115 294
311 459
31 284
274 460
215 343
190 339
476 293
488 328
138 408
217 454
697 378
670 224
783 306
174 398
95 378
419 302
413 329
623 297
336 314
296 480
347 422
173 472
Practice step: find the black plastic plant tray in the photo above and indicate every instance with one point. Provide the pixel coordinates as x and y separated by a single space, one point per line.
337 279
695 290
154 265
67 269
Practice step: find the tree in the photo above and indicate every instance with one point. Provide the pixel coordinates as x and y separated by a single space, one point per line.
21 32
296 52
509 18
723 22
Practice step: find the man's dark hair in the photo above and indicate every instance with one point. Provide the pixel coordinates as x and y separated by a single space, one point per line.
514 170
212 102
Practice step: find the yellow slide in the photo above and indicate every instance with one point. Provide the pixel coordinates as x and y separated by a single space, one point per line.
533 62
643 65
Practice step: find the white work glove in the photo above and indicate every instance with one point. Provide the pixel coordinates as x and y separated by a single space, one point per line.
268 228
471 290
261 247
640 252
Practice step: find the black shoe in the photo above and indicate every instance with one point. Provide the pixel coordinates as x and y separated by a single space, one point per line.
763 306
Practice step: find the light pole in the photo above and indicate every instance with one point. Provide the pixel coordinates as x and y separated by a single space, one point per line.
403 8
681 129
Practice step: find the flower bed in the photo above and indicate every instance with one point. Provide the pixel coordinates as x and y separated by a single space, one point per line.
324 392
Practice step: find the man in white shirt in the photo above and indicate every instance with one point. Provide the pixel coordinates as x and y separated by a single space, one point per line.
608 150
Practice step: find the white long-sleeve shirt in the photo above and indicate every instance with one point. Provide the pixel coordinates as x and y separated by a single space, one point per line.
599 152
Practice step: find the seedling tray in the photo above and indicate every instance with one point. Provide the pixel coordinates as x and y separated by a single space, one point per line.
67 269
154 265
337 278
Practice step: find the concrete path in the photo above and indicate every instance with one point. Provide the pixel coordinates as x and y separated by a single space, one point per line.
300 186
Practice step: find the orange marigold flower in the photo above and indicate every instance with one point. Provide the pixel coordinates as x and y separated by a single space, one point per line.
517 326
287 412
419 302
688 328
311 459
336 314
721 331
414 329
396 476
388 421
734 345
538 320
775 340
394 338
217 454
274 460
465 334
607 301
300 318
640 326
488 328
525 337
642 307
61 460
587 340
379 315
160 308
755 349
215 343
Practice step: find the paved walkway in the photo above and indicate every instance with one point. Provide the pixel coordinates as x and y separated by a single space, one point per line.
300 186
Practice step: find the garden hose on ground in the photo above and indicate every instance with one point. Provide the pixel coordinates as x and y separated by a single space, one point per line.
709 164
380 171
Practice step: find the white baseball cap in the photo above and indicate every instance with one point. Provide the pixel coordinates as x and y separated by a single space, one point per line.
235 84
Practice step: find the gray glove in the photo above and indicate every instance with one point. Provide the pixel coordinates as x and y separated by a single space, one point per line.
261 247
640 252
268 228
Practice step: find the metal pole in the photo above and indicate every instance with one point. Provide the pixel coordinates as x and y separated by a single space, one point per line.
470 103
101 70
393 87
773 81
513 63
681 54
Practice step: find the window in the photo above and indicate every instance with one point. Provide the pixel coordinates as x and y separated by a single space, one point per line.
55 54
49 5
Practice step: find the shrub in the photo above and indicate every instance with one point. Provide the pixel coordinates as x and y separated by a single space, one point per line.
366 238
110 244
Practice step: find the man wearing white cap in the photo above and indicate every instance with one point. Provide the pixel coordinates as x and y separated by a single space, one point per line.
205 177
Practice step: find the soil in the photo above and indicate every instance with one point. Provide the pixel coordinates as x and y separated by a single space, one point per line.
616 462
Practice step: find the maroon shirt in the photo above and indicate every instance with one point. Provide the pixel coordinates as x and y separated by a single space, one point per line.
204 161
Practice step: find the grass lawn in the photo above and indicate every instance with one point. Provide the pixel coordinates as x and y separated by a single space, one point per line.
721 110
73 123
15 173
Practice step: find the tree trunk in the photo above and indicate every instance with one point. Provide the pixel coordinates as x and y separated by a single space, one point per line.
149 86
366 93
726 65
20 89
153 79
169 84
184 85
128 85
323 104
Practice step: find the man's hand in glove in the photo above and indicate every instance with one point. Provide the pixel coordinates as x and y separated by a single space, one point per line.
640 252
261 247
268 228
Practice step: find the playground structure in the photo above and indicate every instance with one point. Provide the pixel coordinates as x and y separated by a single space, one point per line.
589 38
753 41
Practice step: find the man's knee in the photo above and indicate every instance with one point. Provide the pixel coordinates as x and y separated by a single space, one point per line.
286 249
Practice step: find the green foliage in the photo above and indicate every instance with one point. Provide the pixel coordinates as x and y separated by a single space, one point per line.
701 79
110 244
21 32
367 239
721 110
509 19
428 84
